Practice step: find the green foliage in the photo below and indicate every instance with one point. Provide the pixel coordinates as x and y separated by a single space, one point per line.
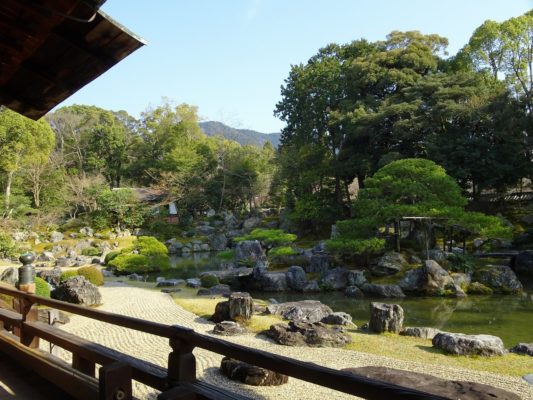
92 274
119 208
91 251
68 274
8 247
151 256
41 287
270 237
408 187
226 255
150 246
458 262
283 251
125 264
111 255
356 246
209 280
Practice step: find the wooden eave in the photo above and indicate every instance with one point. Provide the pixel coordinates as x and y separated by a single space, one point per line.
47 53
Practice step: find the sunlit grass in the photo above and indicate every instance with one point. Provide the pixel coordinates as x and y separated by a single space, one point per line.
420 350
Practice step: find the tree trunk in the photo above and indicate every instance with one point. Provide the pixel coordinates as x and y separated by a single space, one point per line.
7 199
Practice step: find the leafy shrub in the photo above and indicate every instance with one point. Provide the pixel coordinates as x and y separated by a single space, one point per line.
92 274
8 247
209 280
356 246
150 246
461 263
226 255
68 274
283 251
111 255
91 251
131 263
41 287
271 237
159 262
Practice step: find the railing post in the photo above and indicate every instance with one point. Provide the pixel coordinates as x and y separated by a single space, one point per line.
25 306
115 382
181 363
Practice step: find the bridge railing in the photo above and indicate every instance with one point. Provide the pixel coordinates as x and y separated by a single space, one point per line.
176 381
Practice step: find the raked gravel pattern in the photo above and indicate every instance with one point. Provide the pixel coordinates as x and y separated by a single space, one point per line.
159 307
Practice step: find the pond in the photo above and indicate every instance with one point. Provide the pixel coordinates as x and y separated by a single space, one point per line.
509 317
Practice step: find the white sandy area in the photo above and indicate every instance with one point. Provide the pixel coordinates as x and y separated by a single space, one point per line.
160 307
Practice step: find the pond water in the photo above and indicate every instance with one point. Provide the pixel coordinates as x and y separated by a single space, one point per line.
509 317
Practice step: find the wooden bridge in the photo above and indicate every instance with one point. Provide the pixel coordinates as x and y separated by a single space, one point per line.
19 339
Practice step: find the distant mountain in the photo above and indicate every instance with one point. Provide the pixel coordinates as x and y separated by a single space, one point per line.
242 136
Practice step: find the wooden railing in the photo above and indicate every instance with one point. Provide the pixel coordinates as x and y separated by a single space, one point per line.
177 381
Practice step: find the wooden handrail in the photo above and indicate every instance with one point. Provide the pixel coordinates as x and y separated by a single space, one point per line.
181 360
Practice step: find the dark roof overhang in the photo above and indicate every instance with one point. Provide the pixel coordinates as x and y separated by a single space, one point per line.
49 49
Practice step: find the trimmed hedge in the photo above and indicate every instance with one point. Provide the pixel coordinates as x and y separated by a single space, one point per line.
91 252
68 274
41 287
92 274
111 255
131 263
209 280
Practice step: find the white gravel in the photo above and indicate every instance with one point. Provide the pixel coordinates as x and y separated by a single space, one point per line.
160 307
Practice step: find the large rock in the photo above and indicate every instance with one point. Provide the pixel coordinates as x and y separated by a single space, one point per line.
433 385
522 264
338 318
218 241
241 306
385 291
52 276
420 332
78 290
274 282
251 223
499 278
228 328
388 264
385 318
318 263
217 290
174 246
10 276
523 348
335 279
314 334
479 288
56 237
296 278
306 310
466 345
250 374
354 291
311 287
430 280
46 256
356 277
249 252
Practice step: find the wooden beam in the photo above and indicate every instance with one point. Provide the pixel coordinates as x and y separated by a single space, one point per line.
50 368
142 371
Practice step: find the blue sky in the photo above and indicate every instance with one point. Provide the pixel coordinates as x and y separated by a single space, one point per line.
230 57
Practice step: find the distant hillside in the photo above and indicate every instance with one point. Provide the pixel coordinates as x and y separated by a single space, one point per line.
242 136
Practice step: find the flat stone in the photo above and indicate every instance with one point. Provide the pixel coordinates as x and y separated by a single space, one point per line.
523 348
314 334
420 332
433 385
528 378
217 290
461 344
171 290
170 282
251 374
306 310
228 328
